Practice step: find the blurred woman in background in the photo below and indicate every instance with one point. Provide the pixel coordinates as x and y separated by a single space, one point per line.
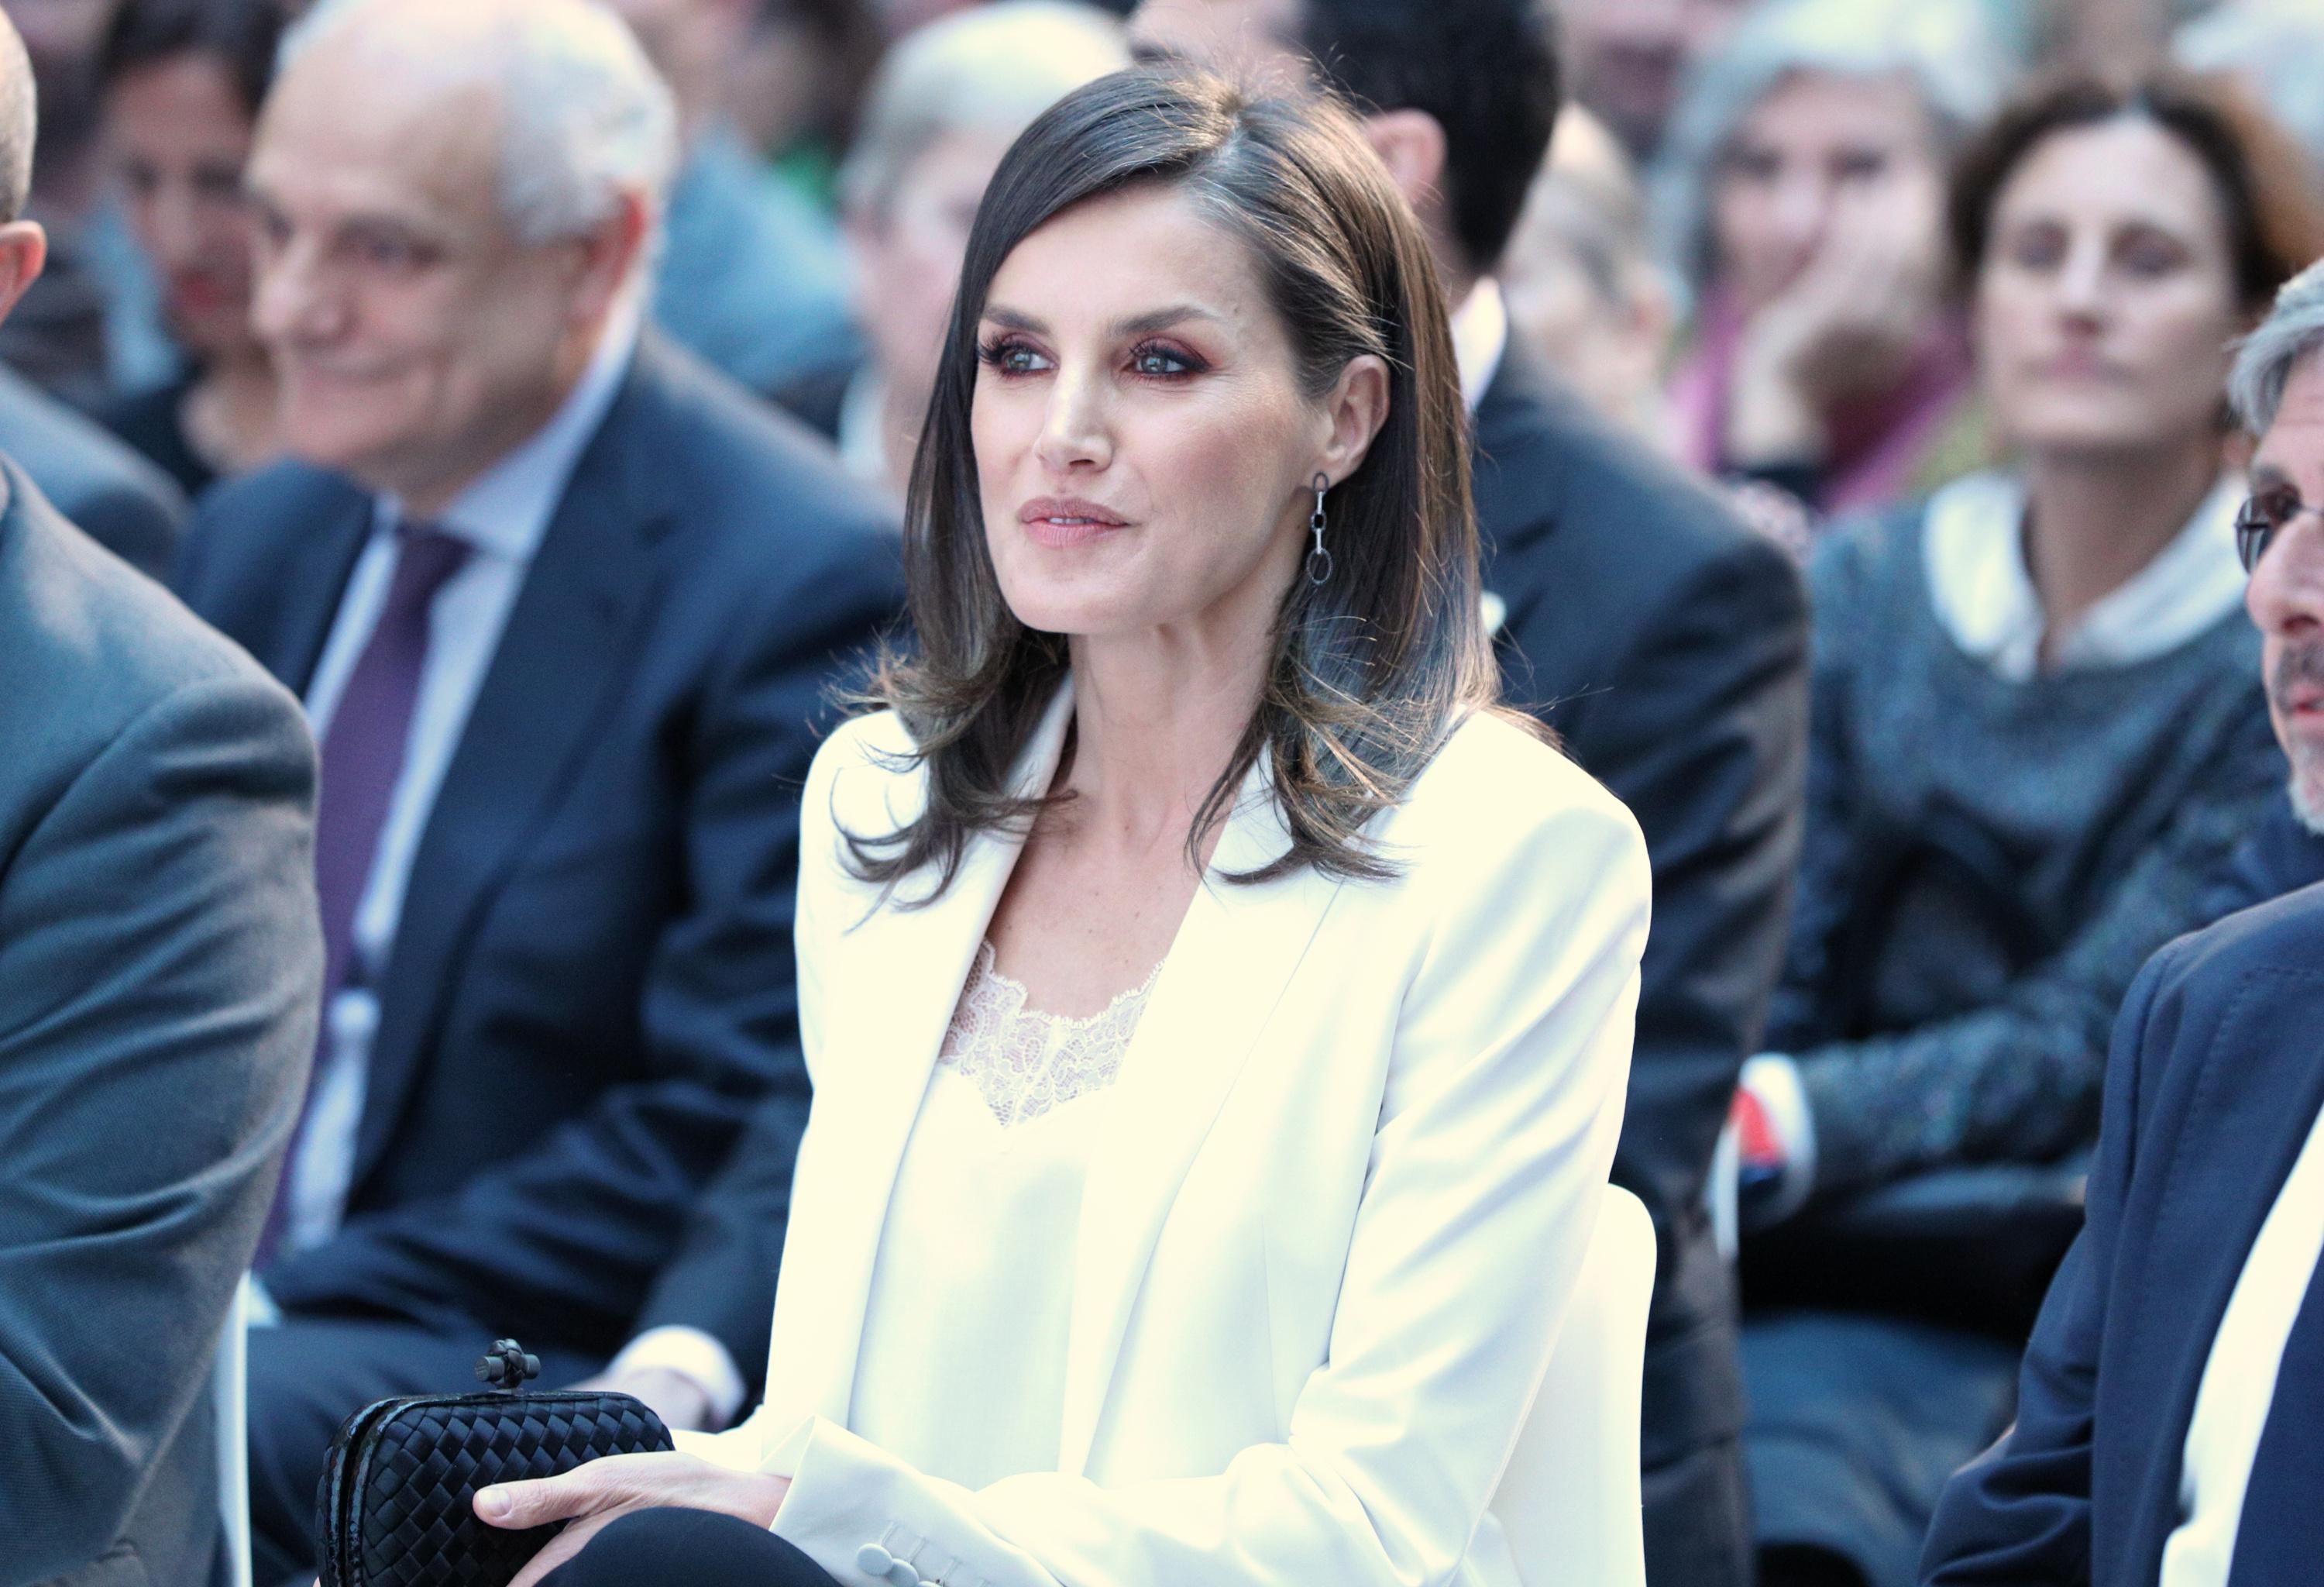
2038 730
182 81
1804 190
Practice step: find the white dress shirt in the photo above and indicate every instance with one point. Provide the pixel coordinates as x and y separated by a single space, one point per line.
502 517
2238 1384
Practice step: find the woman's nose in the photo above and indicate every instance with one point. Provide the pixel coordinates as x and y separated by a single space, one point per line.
1075 432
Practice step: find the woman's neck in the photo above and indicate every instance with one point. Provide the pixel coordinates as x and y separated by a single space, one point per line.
231 410
2094 522
1157 720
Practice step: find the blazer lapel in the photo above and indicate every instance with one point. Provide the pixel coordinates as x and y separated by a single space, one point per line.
314 579
1234 955
562 661
2255 1095
886 1045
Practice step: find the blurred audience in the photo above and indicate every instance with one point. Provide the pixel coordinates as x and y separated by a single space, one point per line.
2277 48
158 956
752 275
945 105
183 80
2038 732
1628 59
119 499
564 606
1664 642
1582 286
1806 194
91 326
2170 1422
795 85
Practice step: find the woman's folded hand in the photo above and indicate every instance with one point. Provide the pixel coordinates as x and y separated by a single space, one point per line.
593 1496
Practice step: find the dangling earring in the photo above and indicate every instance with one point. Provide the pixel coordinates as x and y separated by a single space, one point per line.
1319 560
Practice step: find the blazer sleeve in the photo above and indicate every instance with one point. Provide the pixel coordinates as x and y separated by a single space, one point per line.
1705 739
159 956
1503 1102
2021 1512
569 1235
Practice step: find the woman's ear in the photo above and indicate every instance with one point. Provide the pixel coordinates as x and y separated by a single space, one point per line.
1354 410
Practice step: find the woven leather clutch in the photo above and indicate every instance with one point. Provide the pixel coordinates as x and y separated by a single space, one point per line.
396 1507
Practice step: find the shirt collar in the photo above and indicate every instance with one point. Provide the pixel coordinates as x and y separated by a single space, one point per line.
505 512
1480 335
1975 551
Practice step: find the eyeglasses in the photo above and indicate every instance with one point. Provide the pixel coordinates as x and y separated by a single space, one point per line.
2268 514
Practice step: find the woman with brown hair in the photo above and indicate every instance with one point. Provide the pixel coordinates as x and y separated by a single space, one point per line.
1219 1008
2038 730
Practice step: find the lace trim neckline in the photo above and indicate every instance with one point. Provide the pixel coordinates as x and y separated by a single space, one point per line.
1025 1061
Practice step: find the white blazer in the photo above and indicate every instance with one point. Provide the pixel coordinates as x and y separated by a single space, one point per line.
1335 1203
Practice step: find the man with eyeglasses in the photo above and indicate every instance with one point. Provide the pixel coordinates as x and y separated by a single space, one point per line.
2171 1413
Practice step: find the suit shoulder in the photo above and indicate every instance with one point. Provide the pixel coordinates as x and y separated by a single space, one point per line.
1496 790
108 643
2283 933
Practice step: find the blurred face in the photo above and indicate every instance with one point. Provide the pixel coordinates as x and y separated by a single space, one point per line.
1816 150
1255 38
1629 57
689 41
2286 596
1142 443
2107 298
180 138
908 255
416 338
1607 346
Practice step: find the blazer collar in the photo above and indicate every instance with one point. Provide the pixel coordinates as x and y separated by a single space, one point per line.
1233 955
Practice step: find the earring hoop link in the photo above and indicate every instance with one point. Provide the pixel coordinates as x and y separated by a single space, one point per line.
1319 560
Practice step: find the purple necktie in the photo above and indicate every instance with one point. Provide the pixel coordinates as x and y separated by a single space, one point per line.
363 757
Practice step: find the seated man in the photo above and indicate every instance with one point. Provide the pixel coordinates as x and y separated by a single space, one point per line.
564 606
158 956
2171 1412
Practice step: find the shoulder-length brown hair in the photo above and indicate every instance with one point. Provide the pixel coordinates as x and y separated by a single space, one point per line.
1370 671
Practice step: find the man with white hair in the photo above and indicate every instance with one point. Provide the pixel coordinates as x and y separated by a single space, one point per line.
2171 1411
563 605
158 959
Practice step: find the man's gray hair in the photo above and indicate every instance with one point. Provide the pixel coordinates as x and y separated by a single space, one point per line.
585 118
19 121
1946 50
989 70
2292 331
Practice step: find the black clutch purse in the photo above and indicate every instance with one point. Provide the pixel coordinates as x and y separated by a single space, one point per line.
397 1503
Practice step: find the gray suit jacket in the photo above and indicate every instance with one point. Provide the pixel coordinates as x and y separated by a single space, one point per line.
125 503
159 960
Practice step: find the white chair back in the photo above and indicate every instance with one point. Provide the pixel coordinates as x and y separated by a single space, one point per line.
229 1385
1568 1504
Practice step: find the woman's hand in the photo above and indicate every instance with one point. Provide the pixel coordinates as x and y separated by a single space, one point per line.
593 1496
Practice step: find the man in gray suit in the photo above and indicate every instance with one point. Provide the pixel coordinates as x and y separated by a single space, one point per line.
159 957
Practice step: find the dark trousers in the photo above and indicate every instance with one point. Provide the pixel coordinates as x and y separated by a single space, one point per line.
687 1548
1697 1518
308 1375
1856 1423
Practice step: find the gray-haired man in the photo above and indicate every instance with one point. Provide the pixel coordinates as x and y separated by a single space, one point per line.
563 605
2171 1411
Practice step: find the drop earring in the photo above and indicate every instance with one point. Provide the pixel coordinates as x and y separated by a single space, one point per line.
1319 560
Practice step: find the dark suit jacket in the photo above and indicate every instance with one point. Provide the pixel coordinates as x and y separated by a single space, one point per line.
2212 1086
158 952
125 503
591 984
1667 645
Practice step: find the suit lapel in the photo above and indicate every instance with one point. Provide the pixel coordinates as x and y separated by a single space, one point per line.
1233 956
561 663
887 1043
314 578
2250 1106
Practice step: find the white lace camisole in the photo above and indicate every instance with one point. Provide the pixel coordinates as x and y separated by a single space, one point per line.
961 1371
